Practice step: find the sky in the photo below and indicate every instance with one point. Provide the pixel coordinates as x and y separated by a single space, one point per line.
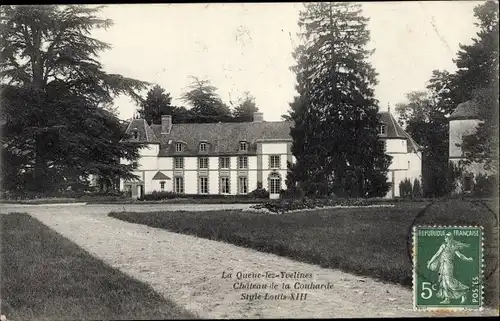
242 47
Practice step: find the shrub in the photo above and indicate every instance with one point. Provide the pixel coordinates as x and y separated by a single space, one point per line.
289 204
259 192
455 172
417 188
405 188
484 185
109 193
156 196
215 196
289 193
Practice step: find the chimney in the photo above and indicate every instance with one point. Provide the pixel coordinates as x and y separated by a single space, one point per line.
258 117
166 124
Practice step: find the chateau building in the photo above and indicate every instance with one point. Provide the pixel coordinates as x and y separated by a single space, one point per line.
233 158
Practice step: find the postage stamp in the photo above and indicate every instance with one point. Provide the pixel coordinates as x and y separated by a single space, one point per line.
447 267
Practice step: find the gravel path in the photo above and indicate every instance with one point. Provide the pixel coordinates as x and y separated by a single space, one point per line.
188 269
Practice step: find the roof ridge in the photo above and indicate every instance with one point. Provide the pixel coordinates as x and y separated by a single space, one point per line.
128 127
394 124
153 132
145 129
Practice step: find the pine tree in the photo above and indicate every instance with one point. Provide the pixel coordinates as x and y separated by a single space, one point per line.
57 129
423 117
478 63
206 103
477 79
246 107
335 134
157 103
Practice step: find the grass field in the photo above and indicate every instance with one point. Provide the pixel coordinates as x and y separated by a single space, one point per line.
365 241
46 277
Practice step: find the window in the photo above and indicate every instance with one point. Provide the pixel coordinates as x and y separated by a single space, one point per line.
162 186
135 134
203 162
203 185
179 185
178 147
243 162
179 162
408 164
243 146
224 162
203 147
382 130
243 185
274 184
274 161
224 185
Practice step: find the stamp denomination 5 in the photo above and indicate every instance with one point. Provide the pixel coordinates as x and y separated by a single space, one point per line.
448 267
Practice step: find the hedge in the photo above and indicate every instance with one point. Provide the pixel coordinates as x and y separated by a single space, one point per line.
285 205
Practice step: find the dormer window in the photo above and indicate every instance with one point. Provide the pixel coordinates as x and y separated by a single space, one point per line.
178 147
382 130
203 147
243 146
135 133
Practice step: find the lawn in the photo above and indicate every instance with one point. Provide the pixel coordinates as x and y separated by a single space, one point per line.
47 277
365 241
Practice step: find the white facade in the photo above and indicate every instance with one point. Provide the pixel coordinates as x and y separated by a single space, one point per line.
404 165
239 172
270 164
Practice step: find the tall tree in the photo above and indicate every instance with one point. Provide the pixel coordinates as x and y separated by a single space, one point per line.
157 103
205 102
422 117
478 63
54 93
477 79
337 104
245 108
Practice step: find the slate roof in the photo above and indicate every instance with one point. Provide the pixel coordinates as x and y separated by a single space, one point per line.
221 138
394 130
144 131
225 138
465 110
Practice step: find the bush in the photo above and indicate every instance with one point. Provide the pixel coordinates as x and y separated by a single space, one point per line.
157 196
198 198
405 188
288 204
105 197
259 192
27 195
484 185
417 189
109 193
453 176
291 194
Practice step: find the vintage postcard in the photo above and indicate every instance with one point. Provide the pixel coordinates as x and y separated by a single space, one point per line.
249 160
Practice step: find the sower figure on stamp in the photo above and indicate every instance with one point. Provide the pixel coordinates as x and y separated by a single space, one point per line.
442 262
